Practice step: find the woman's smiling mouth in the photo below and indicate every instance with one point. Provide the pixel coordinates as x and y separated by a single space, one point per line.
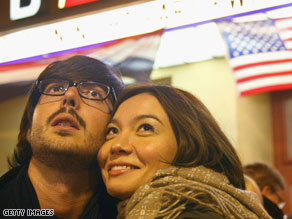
119 169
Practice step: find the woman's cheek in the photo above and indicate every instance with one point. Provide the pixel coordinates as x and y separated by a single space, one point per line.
101 156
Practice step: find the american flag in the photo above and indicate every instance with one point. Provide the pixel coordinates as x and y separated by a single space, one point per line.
260 54
132 56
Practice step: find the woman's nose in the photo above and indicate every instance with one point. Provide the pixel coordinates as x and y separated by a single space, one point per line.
121 146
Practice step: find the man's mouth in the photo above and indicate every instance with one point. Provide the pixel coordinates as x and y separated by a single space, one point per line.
65 121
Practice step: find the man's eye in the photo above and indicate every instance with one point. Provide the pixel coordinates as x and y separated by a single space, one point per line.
146 128
55 89
94 93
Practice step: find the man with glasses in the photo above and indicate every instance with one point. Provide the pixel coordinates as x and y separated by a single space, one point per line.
271 184
54 168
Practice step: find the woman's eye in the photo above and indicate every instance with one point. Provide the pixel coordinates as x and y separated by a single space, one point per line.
146 128
112 131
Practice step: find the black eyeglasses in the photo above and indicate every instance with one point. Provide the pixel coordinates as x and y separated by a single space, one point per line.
89 90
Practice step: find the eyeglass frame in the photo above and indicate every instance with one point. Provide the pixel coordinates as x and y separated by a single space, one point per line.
77 84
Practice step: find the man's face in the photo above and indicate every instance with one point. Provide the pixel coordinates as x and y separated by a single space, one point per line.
68 127
275 195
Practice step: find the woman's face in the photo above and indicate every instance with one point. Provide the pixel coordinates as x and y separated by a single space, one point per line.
139 141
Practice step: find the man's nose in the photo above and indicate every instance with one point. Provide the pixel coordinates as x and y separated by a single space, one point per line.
72 98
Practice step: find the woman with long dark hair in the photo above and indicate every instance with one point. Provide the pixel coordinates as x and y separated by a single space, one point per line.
166 157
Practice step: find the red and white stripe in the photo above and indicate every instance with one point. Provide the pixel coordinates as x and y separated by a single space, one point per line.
262 72
265 72
284 25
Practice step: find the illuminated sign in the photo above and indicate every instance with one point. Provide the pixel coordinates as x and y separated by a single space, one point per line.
72 3
21 13
17 11
20 10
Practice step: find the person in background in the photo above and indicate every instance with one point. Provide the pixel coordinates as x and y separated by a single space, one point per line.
172 158
251 185
271 184
63 125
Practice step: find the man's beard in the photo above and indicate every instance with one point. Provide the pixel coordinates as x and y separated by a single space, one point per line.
62 154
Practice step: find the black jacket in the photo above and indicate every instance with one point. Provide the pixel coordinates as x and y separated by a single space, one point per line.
273 209
17 192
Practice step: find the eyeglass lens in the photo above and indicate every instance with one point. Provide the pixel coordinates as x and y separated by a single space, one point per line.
93 90
90 90
54 87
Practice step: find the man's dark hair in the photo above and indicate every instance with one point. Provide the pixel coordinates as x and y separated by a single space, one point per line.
77 68
265 175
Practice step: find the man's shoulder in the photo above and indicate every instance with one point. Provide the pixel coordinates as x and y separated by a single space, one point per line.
7 180
7 187
8 177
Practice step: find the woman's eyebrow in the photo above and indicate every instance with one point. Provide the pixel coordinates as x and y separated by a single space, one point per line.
147 116
113 121
139 117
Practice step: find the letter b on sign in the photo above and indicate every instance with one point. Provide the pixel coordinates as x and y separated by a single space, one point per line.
17 12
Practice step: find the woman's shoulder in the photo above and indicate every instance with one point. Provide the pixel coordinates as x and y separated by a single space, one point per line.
199 211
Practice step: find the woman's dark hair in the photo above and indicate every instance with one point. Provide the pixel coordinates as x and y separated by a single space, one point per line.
200 139
76 68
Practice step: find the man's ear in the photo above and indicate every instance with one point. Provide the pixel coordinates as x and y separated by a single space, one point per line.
266 190
28 135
